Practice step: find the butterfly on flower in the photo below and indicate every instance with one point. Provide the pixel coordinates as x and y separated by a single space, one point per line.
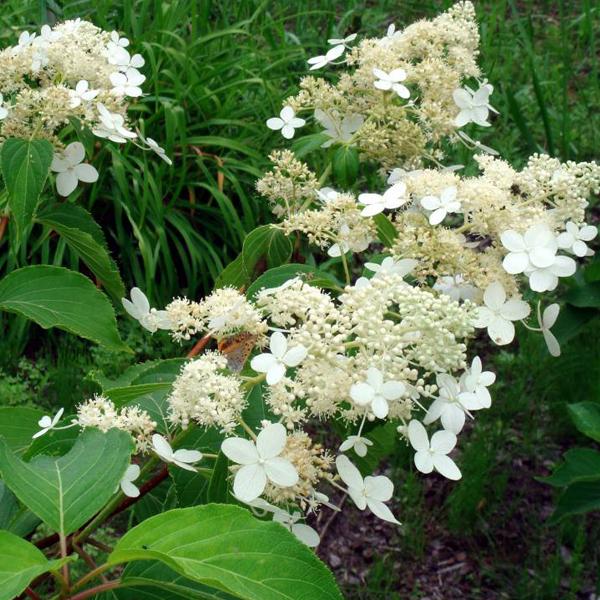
237 349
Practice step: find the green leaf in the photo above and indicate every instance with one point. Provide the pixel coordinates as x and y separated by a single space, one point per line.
345 166
386 232
234 275
584 296
57 297
25 165
8 506
385 441
279 275
218 490
571 321
306 144
13 517
581 497
265 242
581 464
257 409
17 425
225 547
192 488
85 237
149 389
121 396
20 563
586 416
67 491
143 580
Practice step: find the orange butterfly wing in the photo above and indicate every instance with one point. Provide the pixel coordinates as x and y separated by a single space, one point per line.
237 349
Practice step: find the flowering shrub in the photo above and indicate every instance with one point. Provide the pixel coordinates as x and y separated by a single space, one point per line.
355 310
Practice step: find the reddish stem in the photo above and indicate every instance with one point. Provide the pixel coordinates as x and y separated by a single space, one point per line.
198 346
32 594
3 224
103 587
144 489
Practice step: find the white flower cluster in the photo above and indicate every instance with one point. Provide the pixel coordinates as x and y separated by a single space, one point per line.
477 238
72 71
391 344
100 412
377 352
205 395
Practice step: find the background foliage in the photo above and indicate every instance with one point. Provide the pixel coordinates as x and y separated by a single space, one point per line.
217 70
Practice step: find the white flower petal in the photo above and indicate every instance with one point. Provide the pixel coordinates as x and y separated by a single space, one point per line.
306 534
551 342
249 482
263 362
494 295
379 509
129 489
162 447
379 488
294 356
187 456
362 393
515 262
515 310
281 472
424 461
443 441
240 450
417 435
66 182
348 472
86 173
446 467
275 373
278 344
275 123
271 440
380 407
501 331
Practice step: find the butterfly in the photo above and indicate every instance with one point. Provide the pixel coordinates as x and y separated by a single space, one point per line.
236 349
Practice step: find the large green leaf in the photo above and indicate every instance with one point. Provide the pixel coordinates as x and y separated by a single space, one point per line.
154 580
149 389
13 517
25 165
268 243
581 497
279 275
234 275
17 426
20 563
586 416
67 491
225 547
581 464
345 166
386 232
57 297
584 296
83 235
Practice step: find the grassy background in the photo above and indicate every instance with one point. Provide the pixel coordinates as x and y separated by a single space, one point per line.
217 69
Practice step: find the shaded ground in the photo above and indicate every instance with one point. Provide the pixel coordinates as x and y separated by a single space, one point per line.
509 553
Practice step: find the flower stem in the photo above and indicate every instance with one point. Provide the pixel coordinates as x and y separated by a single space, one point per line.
247 428
97 572
325 175
103 587
346 269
